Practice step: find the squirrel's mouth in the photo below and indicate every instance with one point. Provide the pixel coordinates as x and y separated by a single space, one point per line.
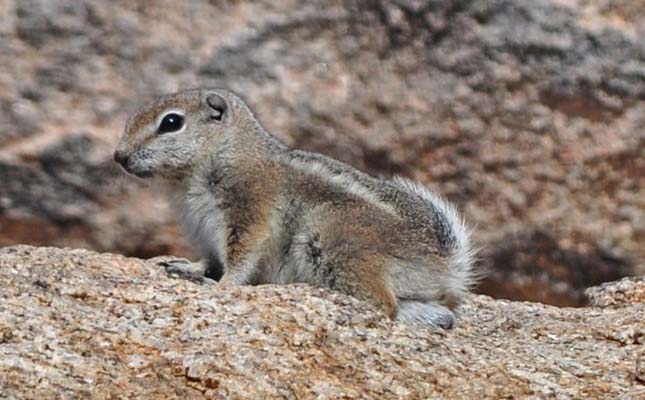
144 173
139 173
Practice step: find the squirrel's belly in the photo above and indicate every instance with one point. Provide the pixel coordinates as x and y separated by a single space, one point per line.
205 225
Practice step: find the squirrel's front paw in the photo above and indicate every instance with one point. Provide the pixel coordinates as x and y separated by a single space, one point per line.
184 269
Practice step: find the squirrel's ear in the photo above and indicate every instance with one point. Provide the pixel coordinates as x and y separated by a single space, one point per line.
217 107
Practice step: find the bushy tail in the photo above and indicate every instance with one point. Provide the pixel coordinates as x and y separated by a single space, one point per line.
462 276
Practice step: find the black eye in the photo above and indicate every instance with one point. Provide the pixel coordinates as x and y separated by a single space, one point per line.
171 123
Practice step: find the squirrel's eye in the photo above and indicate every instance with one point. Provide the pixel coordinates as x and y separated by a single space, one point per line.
171 123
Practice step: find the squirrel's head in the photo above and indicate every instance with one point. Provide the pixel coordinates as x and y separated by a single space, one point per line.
170 135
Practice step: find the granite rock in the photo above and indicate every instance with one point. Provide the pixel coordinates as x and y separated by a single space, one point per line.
74 323
527 114
627 291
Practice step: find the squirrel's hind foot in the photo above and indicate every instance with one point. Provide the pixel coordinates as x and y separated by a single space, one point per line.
429 314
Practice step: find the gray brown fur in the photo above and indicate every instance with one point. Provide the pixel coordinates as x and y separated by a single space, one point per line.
261 212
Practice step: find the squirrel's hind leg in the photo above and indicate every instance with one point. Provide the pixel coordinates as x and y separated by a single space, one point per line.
359 277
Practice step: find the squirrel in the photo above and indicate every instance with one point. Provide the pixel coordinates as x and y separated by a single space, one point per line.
261 212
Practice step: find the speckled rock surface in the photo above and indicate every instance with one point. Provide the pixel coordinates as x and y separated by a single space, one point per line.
74 323
528 115
618 294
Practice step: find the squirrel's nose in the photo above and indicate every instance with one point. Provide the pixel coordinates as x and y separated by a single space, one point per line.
121 157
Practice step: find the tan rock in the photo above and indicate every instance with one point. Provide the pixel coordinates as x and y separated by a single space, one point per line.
74 323
627 291
527 114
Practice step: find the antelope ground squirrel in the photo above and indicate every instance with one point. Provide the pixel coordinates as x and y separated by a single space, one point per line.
261 212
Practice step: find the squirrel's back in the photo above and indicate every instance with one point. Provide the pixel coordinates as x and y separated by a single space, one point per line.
428 219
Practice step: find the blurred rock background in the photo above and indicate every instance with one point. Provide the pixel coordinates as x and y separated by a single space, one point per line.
529 115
